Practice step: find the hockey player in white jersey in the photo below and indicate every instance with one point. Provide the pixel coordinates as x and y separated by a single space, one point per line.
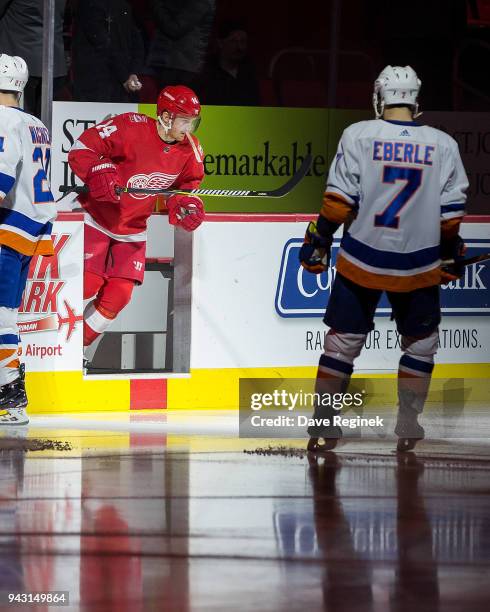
400 189
27 210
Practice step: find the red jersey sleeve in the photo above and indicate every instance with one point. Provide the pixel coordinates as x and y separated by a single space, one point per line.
105 140
193 171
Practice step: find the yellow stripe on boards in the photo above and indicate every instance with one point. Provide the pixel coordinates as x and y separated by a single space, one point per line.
69 392
206 389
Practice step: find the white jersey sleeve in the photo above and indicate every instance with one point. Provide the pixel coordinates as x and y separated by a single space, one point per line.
10 159
344 174
454 183
27 207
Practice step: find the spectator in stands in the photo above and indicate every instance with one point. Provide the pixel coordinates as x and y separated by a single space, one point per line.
107 52
180 43
230 77
143 16
21 33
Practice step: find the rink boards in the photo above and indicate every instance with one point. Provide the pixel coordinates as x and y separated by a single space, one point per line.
254 315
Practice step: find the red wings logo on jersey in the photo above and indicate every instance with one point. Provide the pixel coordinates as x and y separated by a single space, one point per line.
155 180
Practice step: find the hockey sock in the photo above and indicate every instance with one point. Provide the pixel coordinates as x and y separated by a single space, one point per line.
334 371
414 376
111 299
9 345
95 321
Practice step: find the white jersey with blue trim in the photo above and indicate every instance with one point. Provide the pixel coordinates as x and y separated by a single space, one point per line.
27 207
402 178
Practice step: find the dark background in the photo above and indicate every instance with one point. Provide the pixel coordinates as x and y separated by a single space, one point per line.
443 40
446 42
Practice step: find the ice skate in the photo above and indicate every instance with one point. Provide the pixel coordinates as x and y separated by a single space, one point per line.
314 445
328 444
13 403
409 433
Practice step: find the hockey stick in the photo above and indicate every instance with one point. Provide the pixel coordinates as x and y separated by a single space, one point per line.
466 262
235 193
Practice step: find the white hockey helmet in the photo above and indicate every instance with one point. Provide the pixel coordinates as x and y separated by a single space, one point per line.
396 85
13 73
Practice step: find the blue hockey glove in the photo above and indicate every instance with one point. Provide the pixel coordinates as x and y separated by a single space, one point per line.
314 255
452 252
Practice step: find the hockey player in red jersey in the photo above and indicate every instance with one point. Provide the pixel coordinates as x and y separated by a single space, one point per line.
133 150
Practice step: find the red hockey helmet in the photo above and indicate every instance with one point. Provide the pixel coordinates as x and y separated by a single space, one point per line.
178 100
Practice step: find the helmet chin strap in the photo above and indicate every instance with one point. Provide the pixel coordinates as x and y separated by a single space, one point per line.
168 127
378 105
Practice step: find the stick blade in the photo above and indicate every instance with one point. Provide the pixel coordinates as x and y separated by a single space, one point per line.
293 181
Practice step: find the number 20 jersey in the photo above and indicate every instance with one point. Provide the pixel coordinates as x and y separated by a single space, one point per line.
401 179
27 207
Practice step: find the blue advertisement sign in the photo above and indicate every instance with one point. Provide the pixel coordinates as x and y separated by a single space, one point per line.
302 294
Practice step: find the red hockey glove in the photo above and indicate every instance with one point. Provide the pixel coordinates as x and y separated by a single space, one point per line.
102 181
187 211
